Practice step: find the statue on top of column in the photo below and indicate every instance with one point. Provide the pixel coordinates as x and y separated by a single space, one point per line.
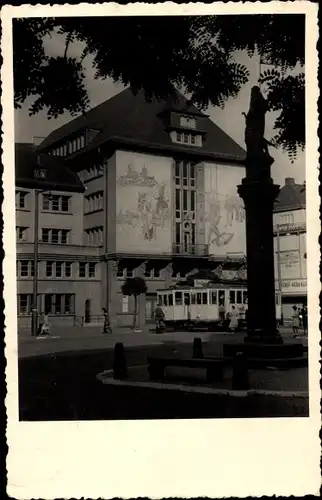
256 144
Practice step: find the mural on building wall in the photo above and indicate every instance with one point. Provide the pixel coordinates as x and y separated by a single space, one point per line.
143 205
224 210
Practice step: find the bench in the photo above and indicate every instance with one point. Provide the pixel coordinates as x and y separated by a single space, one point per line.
213 366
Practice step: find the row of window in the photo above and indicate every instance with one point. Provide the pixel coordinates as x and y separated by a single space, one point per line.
70 147
186 138
149 273
55 203
54 303
211 297
94 236
25 269
60 236
94 201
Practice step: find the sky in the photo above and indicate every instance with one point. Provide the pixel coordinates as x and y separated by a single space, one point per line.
230 119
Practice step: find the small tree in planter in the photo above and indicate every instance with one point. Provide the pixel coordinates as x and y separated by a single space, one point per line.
134 286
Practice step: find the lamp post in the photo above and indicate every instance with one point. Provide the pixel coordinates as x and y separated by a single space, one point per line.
34 317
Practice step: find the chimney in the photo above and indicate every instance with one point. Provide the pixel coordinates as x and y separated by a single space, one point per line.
289 181
37 140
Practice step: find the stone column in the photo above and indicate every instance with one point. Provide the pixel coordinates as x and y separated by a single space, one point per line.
259 196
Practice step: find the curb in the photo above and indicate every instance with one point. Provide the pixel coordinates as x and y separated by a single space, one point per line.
106 379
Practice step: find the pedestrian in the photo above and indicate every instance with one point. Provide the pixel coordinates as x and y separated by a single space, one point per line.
107 326
304 319
159 318
45 326
222 313
233 323
295 321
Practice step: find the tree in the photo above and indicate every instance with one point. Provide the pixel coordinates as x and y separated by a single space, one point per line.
158 54
134 286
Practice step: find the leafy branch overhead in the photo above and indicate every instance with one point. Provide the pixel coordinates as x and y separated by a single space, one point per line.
158 54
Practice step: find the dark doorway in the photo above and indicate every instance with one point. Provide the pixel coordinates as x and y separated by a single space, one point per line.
87 311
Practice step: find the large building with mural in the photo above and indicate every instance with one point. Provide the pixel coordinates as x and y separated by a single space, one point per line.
160 202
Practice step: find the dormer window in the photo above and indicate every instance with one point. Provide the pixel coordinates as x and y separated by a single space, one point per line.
188 121
187 138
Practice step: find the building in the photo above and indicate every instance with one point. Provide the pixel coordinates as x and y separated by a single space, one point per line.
64 263
290 245
161 201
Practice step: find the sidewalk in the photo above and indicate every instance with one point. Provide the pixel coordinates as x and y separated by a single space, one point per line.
91 338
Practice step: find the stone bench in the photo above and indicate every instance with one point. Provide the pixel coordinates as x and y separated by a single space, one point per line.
214 366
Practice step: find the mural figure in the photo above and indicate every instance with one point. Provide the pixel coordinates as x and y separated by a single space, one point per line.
234 210
162 204
145 205
215 236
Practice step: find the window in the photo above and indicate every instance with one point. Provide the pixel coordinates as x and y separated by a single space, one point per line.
59 269
185 209
25 268
55 236
221 297
82 269
21 233
199 298
60 303
170 299
129 273
120 272
91 269
64 236
178 298
49 269
24 303
68 269
94 236
238 297
185 138
45 235
156 273
186 299
125 304
165 299
94 201
205 298
232 296
55 203
245 297
21 199
193 298
213 297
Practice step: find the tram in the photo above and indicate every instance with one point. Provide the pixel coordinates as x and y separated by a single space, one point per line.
208 305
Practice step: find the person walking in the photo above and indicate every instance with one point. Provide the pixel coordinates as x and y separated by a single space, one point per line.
107 326
44 328
233 323
295 321
159 318
304 319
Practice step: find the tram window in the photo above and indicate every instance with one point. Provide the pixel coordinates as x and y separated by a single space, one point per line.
193 298
160 300
245 297
186 299
238 297
232 296
178 298
205 298
214 297
221 296
165 298
199 298
170 299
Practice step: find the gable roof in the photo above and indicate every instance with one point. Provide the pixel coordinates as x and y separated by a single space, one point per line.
131 120
291 196
59 176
